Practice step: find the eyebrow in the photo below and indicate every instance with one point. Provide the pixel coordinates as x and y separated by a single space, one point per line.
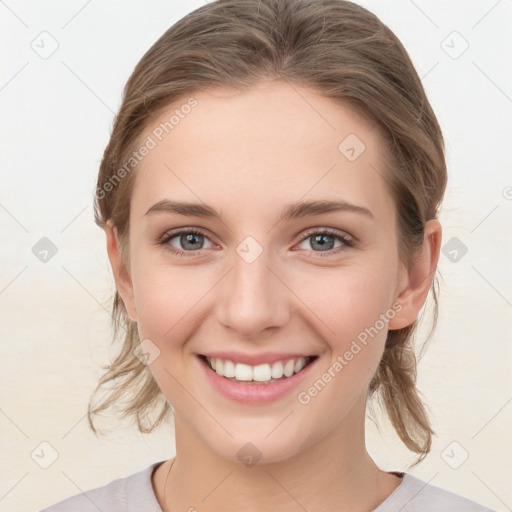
290 211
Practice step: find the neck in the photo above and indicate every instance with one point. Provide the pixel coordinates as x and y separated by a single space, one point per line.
334 473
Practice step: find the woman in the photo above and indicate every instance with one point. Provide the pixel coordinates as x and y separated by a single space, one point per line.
270 196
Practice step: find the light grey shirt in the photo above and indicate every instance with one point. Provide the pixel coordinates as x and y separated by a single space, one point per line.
134 493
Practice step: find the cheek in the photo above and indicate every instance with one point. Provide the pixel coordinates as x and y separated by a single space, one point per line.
167 299
168 303
355 313
353 310
348 302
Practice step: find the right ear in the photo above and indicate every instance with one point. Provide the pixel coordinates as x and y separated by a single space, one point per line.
121 273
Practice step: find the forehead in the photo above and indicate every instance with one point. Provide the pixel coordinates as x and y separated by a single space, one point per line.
274 143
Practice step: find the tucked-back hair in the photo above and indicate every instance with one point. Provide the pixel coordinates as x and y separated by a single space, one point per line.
345 53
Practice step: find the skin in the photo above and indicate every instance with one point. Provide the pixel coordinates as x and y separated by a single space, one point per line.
246 155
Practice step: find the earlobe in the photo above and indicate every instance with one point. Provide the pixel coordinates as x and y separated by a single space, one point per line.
413 290
121 273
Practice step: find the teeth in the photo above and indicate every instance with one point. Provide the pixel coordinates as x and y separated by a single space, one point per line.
277 370
301 362
229 369
242 372
289 368
259 373
262 373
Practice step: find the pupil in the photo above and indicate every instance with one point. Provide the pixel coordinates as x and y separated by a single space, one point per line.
192 240
320 239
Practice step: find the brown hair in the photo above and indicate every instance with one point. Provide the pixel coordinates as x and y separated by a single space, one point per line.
346 53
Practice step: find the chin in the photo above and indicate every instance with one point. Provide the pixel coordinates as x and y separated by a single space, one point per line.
256 446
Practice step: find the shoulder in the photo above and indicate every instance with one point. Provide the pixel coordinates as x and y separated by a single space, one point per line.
415 495
126 494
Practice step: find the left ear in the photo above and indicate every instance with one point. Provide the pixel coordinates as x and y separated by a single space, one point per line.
415 285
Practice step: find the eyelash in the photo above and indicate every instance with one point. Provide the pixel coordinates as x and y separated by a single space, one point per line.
348 242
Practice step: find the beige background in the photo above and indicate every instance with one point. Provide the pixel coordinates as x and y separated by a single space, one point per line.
57 113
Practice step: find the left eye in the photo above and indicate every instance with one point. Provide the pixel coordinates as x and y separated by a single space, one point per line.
325 240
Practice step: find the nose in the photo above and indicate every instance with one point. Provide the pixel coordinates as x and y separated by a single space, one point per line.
254 297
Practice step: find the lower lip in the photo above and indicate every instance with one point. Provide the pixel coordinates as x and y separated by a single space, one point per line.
254 393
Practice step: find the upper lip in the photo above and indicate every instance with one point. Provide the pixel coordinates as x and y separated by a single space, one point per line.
256 359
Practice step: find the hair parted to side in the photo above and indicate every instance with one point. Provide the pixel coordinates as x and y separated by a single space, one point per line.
345 53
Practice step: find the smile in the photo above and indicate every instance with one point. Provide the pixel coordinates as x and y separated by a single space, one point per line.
258 378
262 373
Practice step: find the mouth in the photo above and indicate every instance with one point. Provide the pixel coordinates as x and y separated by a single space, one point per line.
261 374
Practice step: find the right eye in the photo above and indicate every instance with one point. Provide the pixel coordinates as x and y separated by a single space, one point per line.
189 241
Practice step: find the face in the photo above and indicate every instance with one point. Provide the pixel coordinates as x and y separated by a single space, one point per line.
255 276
